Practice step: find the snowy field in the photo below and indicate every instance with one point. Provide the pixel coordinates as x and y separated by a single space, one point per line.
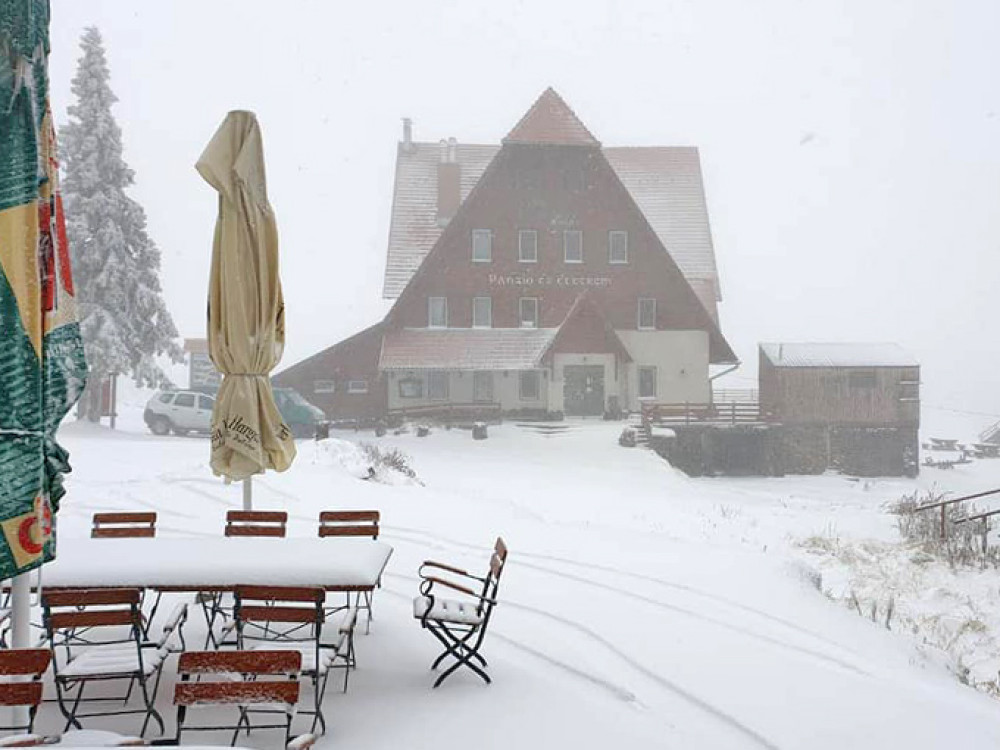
639 609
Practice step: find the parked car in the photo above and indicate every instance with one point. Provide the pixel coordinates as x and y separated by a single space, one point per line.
182 412
179 412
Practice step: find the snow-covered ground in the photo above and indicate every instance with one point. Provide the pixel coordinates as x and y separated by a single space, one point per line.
640 608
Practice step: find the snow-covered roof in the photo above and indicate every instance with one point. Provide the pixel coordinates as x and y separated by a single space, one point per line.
838 355
465 348
665 181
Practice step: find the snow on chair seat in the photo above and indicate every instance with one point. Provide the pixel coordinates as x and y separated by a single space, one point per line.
459 626
108 660
447 610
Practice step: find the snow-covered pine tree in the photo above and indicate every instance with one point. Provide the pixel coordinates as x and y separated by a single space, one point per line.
124 321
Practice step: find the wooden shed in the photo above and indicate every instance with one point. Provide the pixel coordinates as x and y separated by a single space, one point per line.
855 407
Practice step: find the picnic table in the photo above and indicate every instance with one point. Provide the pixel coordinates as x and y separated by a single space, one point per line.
217 563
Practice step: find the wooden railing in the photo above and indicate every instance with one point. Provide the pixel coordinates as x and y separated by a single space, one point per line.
726 413
451 412
943 506
740 395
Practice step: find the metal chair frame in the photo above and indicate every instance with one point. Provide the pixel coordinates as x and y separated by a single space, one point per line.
72 618
348 523
291 615
462 641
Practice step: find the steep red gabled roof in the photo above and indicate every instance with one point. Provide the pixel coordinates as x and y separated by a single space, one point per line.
550 120
586 323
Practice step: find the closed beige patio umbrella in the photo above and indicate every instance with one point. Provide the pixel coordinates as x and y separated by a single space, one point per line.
246 311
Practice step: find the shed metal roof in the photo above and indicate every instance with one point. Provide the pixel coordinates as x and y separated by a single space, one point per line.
838 355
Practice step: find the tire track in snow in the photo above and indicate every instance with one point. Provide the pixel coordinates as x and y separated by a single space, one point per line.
617 691
664 683
649 579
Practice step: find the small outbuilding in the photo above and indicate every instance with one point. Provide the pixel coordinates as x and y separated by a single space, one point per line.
853 407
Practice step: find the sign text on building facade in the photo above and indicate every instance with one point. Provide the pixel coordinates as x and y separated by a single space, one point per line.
548 280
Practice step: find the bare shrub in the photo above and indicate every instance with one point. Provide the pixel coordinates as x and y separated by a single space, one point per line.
961 543
389 458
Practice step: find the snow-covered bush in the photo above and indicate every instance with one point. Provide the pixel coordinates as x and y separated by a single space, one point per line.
962 543
388 458
628 438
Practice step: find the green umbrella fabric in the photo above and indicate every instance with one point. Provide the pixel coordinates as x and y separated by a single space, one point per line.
42 366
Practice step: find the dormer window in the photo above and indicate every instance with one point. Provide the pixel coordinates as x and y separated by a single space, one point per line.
527 246
618 247
647 314
437 312
573 246
528 312
482 246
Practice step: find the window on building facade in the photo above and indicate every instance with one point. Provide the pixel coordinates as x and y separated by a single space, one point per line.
573 246
647 382
437 312
647 314
324 386
618 247
482 386
528 312
482 245
357 386
530 385
527 246
861 379
411 387
482 312
437 385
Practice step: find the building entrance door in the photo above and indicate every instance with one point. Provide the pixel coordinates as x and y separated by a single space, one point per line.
583 390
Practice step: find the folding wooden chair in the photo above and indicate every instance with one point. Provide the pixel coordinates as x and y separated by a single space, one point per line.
15 667
260 681
129 525
292 618
101 633
239 523
119 525
256 523
459 624
352 523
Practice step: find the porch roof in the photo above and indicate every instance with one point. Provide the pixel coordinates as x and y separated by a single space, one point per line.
465 348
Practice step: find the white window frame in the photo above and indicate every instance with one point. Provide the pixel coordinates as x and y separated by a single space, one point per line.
655 382
443 375
611 247
522 234
638 314
411 387
324 386
520 312
489 312
430 312
488 233
479 375
566 234
357 387
538 385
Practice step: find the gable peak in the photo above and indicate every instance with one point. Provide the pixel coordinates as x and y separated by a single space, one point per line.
550 120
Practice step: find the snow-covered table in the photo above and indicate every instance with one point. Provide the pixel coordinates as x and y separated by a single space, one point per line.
218 563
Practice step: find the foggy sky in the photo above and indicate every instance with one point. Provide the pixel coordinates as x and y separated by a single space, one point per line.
851 150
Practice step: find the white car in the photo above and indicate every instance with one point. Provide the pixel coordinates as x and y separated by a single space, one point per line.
179 412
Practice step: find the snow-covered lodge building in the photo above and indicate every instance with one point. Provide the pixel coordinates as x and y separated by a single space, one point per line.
544 274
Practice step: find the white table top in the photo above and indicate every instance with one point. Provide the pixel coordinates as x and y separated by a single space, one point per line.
204 563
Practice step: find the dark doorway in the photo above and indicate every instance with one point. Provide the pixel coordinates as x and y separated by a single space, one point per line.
583 390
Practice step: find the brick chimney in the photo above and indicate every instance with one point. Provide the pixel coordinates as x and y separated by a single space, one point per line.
449 179
407 144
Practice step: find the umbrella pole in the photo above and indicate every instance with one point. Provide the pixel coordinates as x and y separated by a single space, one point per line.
248 493
20 636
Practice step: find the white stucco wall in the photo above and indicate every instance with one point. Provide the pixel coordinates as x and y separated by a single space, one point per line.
506 390
681 361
